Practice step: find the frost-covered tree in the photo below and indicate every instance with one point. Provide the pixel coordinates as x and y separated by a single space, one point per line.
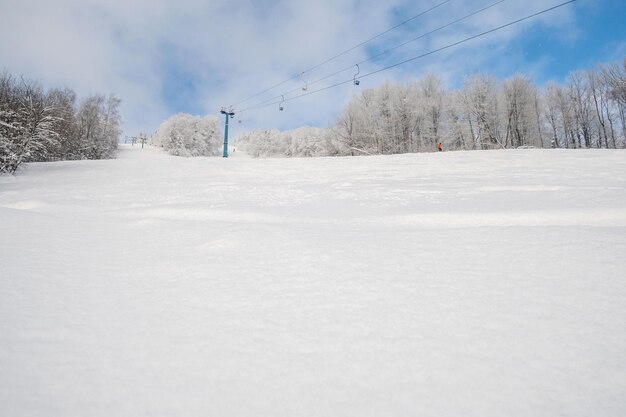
614 79
26 128
384 120
601 105
309 141
580 99
566 109
63 103
99 126
262 143
37 126
431 100
607 85
519 101
480 98
188 135
459 135
302 142
551 114
346 127
404 120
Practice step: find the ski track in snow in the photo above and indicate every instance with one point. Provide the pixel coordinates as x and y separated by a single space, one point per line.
468 283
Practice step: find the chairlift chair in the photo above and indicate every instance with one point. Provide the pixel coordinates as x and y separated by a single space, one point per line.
306 85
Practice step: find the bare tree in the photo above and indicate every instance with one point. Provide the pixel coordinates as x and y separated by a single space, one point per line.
580 97
552 112
614 78
481 104
519 98
432 102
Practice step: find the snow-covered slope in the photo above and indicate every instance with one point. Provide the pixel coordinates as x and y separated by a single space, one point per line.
454 284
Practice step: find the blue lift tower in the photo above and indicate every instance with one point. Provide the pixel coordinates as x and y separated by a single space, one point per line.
229 114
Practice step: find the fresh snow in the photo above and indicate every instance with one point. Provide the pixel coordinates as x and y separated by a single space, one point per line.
452 284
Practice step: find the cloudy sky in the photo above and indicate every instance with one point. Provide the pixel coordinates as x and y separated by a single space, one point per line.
163 57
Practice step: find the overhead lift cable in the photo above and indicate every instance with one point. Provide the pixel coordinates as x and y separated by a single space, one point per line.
295 77
384 53
419 56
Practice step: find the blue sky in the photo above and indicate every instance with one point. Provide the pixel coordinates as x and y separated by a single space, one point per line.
162 57
600 37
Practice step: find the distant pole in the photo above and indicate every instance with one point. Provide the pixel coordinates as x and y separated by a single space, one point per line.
226 139
140 138
228 114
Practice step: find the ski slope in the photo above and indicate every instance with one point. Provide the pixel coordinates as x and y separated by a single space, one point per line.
454 284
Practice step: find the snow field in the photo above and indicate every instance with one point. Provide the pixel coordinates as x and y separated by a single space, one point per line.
469 283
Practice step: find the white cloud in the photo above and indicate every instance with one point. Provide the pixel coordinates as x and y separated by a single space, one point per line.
233 49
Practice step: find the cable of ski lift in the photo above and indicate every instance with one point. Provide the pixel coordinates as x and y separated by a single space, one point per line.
384 52
422 55
345 52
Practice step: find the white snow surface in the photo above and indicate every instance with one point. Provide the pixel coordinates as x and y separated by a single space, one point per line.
457 284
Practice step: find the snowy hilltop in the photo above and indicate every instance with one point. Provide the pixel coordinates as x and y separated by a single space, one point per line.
457 283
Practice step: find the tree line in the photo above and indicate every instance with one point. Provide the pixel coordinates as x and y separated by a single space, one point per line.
587 111
38 125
